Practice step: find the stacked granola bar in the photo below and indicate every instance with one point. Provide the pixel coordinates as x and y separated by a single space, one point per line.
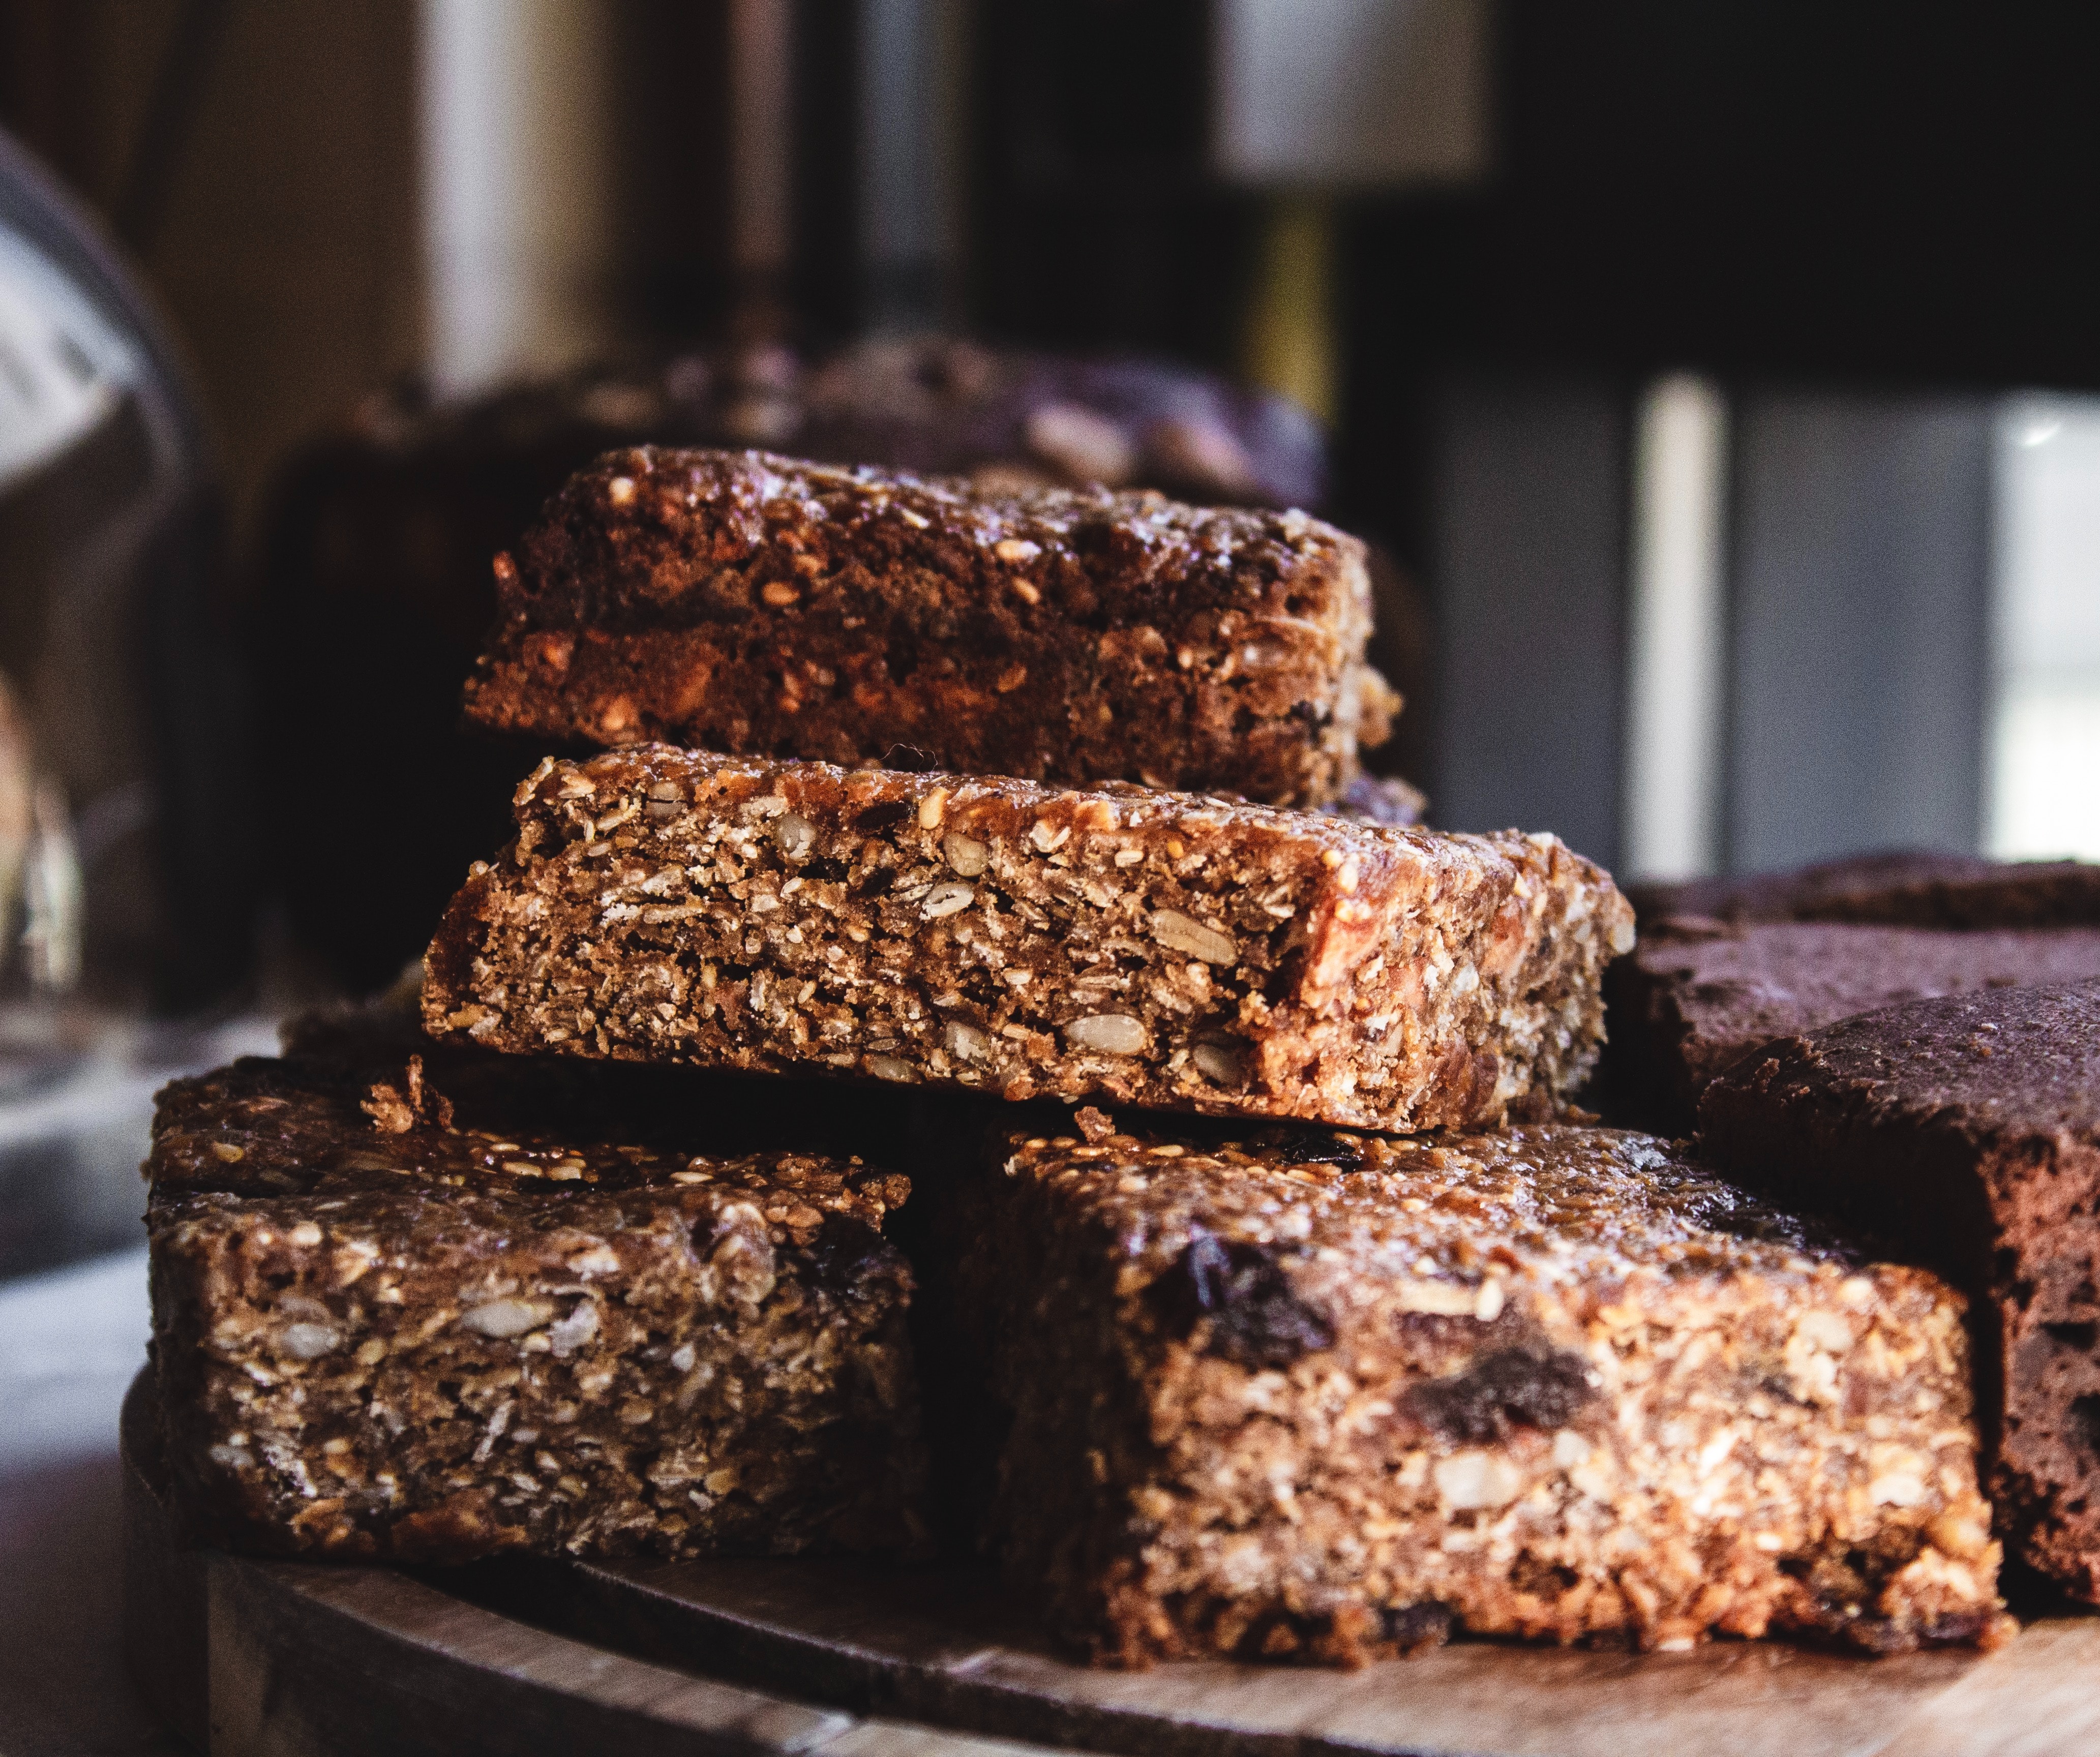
911 793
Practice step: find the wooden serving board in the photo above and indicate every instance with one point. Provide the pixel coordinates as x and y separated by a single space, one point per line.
844 1659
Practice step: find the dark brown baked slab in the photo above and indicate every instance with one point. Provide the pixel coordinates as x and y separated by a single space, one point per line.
1326 1397
1698 994
424 1310
1966 1129
742 602
1901 887
1162 949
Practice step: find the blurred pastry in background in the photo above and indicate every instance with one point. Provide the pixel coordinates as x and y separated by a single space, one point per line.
941 406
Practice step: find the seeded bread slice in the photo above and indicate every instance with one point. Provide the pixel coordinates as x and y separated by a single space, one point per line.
1156 948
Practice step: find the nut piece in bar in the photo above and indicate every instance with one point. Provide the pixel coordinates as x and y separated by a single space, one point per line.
1698 994
388 1325
1161 949
1966 1130
742 602
1326 1397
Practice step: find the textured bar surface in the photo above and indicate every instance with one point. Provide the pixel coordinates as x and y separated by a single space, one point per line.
1903 887
389 1320
1967 1130
1698 994
739 601
1325 1398
1160 950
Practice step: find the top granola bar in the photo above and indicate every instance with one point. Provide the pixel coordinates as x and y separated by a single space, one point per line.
747 603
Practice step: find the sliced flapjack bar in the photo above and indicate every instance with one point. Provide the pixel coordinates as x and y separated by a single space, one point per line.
1161 949
1967 1130
392 1319
742 602
1326 1397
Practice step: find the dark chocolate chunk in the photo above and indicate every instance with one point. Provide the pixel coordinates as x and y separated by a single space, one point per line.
883 816
1409 1626
1324 1150
843 1247
1256 1318
1698 995
1538 1389
1905 887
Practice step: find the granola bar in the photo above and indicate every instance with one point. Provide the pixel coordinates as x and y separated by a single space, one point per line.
1967 1130
374 541
397 1312
749 603
1326 1397
1156 948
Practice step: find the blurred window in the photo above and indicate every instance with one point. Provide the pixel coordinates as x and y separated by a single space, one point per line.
1676 631
2043 761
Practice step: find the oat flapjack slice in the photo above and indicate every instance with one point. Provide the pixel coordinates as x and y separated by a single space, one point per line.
1161 949
407 1313
1325 1398
735 601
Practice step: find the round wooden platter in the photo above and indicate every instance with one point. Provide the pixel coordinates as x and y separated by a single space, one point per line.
841 1659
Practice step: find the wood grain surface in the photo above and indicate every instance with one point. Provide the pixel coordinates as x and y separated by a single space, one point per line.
248 1658
847 1659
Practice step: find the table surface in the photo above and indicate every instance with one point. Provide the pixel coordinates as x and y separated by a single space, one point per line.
70 1342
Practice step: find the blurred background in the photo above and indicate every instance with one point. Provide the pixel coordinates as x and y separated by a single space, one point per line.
1717 385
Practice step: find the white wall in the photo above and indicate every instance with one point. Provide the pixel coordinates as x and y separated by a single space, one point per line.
515 100
1676 632
2042 794
1355 92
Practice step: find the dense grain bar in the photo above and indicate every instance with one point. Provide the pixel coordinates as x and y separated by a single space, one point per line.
1967 1130
389 1321
1160 950
1327 1398
742 602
